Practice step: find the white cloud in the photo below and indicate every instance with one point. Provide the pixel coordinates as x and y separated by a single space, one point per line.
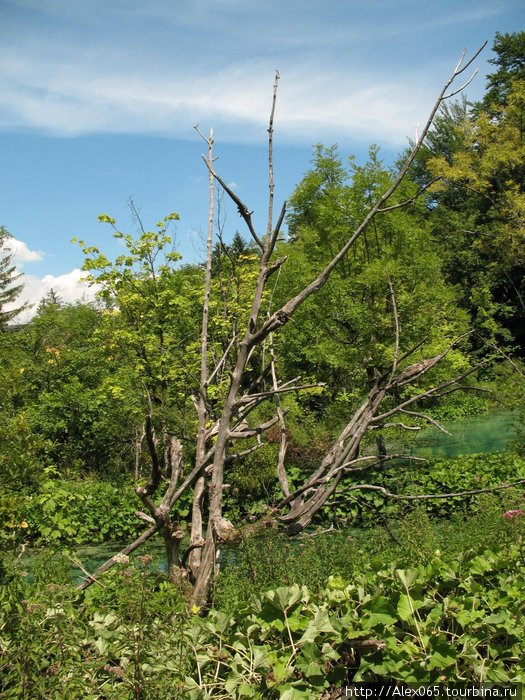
68 287
21 252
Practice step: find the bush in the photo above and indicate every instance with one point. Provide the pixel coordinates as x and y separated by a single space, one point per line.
454 612
440 621
123 639
72 512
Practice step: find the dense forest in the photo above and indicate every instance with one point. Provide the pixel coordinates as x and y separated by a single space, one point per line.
256 414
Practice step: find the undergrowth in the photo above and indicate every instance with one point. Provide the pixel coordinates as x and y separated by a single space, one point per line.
289 619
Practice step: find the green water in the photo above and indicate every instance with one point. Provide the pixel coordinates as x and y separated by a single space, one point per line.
488 432
92 557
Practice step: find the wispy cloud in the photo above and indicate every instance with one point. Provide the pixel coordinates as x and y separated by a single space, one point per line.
159 69
235 99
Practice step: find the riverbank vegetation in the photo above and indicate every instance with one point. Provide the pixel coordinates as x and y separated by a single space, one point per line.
300 619
258 413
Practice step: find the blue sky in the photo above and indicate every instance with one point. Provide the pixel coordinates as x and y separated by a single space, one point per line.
98 100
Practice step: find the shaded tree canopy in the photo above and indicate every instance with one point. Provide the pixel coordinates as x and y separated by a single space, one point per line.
510 66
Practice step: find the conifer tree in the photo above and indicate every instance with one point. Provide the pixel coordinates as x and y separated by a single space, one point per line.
9 291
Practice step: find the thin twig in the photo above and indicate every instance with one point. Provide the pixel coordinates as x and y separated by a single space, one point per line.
428 418
498 349
455 92
411 199
76 562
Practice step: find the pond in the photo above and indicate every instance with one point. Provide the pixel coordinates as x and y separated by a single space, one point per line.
95 555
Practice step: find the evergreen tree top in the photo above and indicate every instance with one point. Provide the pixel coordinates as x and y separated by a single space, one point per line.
9 291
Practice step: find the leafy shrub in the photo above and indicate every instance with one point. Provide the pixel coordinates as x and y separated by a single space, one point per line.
437 476
73 512
123 639
450 615
436 622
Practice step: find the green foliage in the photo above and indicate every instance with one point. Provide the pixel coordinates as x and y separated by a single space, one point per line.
268 558
254 476
446 606
59 397
352 317
72 512
460 405
77 382
466 473
437 476
476 217
510 67
22 448
438 621
150 326
120 641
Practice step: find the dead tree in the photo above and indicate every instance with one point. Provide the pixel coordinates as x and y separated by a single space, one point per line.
217 439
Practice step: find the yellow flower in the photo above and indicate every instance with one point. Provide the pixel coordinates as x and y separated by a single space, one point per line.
24 524
195 609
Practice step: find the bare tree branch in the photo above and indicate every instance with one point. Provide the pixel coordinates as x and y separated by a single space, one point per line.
280 390
145 517
284 314
455 92
77 562
406 202
241 207
427 496
253 432
277 229
176 461
281 471
372 461
458 70
396 321
114 559
244 453
429 392
343 456
270 162
498 349
427 418
395 425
